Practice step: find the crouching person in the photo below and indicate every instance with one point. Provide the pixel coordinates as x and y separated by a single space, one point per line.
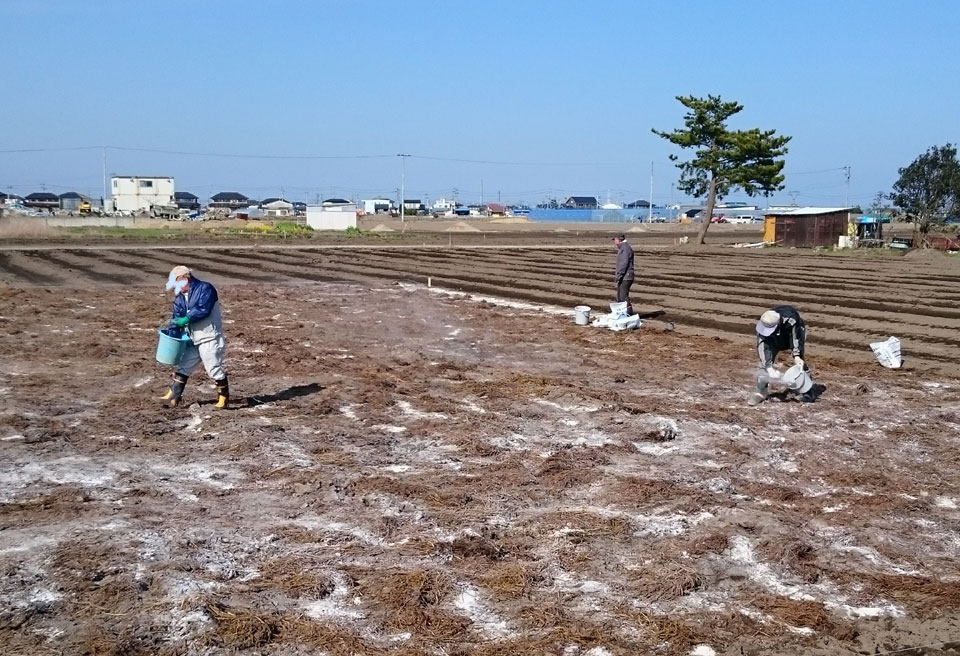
196 310
779 330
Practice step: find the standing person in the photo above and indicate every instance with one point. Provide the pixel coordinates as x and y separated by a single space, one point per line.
624 271
196 309
779 329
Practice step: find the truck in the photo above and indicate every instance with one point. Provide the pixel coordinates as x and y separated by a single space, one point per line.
168 212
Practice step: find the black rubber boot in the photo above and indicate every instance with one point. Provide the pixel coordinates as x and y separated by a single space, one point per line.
223 393
172 398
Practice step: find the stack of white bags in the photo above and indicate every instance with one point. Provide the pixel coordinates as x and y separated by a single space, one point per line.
618 319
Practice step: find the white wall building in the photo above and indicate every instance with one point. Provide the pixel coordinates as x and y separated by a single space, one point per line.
332 217
444 205
133 193
377 206
277 208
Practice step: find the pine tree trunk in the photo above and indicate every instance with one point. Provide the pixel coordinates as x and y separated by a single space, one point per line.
708 213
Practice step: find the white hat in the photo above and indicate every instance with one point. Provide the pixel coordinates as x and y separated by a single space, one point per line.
178 271
768 323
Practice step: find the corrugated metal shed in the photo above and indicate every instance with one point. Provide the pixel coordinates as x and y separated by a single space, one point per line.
808 227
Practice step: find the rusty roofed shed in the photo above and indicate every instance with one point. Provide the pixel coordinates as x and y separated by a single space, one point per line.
807 227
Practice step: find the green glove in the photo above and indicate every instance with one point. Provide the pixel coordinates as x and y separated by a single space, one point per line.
180 322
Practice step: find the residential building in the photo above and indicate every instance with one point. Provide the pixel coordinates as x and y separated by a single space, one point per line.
637 204
276 207
138 193
496 209
377 206
581 202
42 200
71 201
230 200
444 205
186 201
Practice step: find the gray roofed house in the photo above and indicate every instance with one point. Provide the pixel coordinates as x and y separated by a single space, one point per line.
229 200
42 200
581 202
71 201
186 201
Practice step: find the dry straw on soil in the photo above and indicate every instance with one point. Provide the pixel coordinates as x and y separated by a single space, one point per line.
296 577
409 601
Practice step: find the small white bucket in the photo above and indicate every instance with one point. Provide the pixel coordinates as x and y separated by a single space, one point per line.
797 379
582 315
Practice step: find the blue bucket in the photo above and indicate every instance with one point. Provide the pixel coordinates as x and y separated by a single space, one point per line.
170 349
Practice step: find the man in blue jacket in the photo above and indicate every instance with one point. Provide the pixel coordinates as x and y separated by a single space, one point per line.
196 309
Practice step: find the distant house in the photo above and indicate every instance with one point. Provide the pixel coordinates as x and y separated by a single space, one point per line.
299 207
42 200
9 199
377 206
581 203
230 200
276 207
496 209
336 201
139 193
186 201
71 201
412 204
637 204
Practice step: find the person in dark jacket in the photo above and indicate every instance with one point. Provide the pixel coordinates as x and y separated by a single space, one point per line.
196 309
780 329
623 275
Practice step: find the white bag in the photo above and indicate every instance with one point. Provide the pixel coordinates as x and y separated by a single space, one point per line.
618 310
888 353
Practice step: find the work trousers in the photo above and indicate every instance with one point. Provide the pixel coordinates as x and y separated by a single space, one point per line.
623 291
210 353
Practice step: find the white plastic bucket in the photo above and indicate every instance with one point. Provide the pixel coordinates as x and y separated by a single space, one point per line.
797 379
582 315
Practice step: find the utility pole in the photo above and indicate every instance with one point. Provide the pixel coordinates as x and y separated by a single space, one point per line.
403 174
650 213
103 201
481 192
846 200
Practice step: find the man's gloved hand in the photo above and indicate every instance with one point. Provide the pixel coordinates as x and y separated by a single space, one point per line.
180 322
773 373
797 360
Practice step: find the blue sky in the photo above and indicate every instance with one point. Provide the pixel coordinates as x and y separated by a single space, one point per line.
543 99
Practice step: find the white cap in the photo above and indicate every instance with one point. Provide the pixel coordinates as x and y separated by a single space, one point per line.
178 271
768 323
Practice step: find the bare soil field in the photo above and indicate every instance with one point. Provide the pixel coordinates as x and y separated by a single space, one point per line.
414 471
848 301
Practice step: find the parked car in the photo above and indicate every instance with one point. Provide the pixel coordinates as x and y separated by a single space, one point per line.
742 218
